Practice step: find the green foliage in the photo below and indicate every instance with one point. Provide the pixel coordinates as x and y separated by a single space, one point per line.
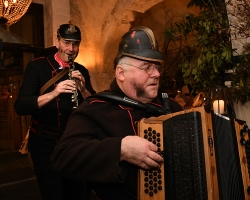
212 44
206 3
213 51
240 90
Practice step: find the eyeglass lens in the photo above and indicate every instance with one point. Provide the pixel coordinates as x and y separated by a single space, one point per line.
69 43
150 68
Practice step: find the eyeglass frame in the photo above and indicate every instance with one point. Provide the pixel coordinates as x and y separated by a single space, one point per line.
67 43
159 68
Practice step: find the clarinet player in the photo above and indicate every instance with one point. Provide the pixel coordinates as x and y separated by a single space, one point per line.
50 111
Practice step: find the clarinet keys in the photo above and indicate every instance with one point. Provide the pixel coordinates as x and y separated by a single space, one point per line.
74 97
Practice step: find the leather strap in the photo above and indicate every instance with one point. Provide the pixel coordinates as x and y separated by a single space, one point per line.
53 80
126 101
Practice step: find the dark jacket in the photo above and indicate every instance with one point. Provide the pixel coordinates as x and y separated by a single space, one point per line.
91 144
57 111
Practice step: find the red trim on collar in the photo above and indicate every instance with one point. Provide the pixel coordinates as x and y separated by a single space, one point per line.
125 108
103 101
97 101
37 58
156 104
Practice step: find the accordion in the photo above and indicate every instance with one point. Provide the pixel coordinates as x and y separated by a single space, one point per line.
206 156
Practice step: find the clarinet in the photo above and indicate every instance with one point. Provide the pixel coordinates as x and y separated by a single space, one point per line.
74 97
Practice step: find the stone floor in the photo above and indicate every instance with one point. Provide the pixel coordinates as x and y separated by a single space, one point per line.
17 177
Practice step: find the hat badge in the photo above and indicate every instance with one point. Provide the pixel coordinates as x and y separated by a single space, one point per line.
72 28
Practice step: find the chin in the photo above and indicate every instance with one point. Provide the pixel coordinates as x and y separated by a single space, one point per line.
153 93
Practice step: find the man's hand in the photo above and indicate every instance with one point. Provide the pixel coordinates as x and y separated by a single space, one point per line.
67 86
80 80
140 152
80 83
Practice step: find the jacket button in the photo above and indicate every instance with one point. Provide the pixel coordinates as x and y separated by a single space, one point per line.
60 114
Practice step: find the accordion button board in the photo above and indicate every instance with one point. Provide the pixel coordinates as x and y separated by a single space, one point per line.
153 180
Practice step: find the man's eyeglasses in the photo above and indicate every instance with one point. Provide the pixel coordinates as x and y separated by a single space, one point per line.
69 43
149 67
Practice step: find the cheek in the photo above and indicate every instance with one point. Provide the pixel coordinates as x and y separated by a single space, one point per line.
61 48
60 51
142 80
136 80
139 83
75 50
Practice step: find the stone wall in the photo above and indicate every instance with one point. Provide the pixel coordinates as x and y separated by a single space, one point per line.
56 12
103 23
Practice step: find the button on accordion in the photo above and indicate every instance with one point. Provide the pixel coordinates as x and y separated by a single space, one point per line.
206 157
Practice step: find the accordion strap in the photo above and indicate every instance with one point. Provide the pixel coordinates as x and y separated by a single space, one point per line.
126 101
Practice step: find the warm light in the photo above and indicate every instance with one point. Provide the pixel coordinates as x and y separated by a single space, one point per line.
12 10
218 106
219 101
6 4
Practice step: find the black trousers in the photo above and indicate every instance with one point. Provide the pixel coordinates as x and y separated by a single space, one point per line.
52 186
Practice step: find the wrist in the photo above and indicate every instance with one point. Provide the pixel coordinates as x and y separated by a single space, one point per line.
82 91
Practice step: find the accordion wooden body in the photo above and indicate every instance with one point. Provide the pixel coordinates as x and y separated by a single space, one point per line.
206 156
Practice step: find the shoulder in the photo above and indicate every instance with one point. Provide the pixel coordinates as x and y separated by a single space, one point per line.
79 65
91 106
39 59
36 62
84 71
93 100
99 99
40 65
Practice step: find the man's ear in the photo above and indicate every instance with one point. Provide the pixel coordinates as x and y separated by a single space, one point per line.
120 73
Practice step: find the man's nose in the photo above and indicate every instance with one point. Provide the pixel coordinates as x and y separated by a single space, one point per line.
70 47
156 73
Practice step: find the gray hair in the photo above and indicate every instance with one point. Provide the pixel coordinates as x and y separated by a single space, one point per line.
123 60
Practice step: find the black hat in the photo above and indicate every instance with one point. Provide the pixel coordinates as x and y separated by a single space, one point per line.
139 43
69 32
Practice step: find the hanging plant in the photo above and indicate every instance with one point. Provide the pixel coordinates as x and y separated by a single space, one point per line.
213 51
